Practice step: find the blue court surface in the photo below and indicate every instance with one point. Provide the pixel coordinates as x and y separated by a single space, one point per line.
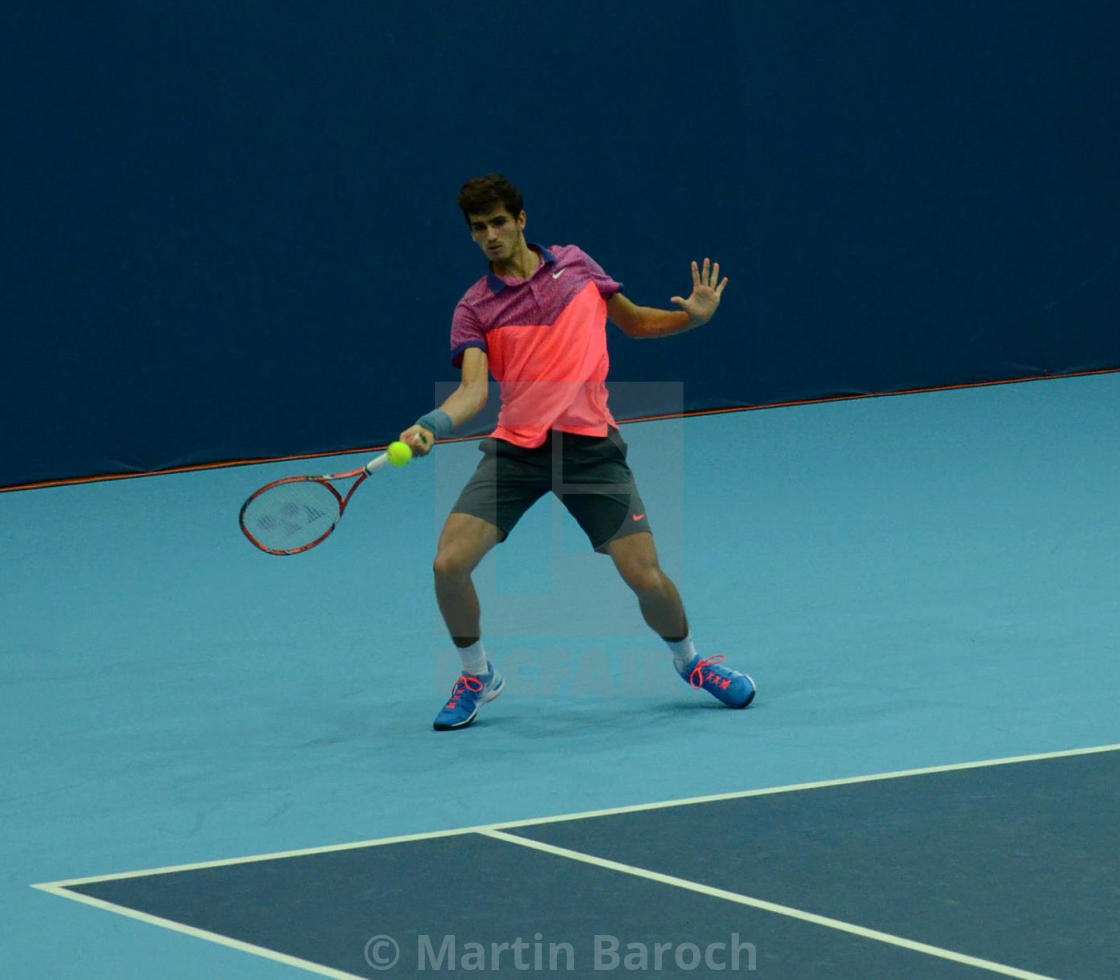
220 764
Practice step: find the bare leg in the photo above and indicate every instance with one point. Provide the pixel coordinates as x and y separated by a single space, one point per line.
636 560
635 557
462 545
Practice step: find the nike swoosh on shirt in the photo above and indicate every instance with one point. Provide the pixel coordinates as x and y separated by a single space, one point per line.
557 275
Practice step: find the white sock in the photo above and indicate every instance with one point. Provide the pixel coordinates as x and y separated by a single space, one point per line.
684 651
473 658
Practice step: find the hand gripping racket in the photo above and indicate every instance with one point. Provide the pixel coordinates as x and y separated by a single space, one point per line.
293 515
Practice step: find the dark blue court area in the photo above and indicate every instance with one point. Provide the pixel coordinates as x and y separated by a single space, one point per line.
1010 868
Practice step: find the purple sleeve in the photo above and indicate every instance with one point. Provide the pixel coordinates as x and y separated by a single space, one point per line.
466 332
605 284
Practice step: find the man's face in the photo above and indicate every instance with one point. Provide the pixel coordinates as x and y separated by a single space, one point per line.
498 233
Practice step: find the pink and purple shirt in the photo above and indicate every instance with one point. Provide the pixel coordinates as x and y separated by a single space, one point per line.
546 341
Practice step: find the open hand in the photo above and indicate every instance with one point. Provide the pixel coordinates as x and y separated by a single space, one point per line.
707 288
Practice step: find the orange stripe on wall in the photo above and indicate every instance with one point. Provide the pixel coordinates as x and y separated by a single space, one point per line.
202 467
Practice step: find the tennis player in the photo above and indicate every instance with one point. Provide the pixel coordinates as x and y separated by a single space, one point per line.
537 322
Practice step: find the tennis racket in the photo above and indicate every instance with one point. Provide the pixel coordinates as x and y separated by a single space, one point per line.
293 515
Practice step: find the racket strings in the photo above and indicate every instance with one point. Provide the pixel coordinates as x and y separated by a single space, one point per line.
292 515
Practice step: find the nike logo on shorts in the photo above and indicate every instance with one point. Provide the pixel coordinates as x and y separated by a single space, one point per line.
557 275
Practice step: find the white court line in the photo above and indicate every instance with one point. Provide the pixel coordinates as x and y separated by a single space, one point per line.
53 886
797 787
758 903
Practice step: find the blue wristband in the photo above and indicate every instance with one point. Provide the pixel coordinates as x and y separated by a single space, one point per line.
437 422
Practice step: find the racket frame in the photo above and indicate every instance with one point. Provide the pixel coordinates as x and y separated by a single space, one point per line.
327 480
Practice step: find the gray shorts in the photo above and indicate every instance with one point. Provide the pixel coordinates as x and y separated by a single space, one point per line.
589 474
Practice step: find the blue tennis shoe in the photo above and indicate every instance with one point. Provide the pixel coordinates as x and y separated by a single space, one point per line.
471 692
732 687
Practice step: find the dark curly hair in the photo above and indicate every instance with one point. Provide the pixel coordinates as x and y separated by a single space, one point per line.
480 194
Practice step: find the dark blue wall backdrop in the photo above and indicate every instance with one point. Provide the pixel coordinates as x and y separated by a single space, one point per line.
230 228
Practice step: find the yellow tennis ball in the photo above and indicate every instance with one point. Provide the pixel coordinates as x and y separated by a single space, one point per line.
400 453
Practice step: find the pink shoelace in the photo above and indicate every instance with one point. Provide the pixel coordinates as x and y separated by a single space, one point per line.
696 678
462 685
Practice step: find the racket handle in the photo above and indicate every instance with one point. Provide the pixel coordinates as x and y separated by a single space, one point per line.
376 463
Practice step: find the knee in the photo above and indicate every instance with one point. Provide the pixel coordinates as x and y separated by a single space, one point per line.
452 565
446 567
646 579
